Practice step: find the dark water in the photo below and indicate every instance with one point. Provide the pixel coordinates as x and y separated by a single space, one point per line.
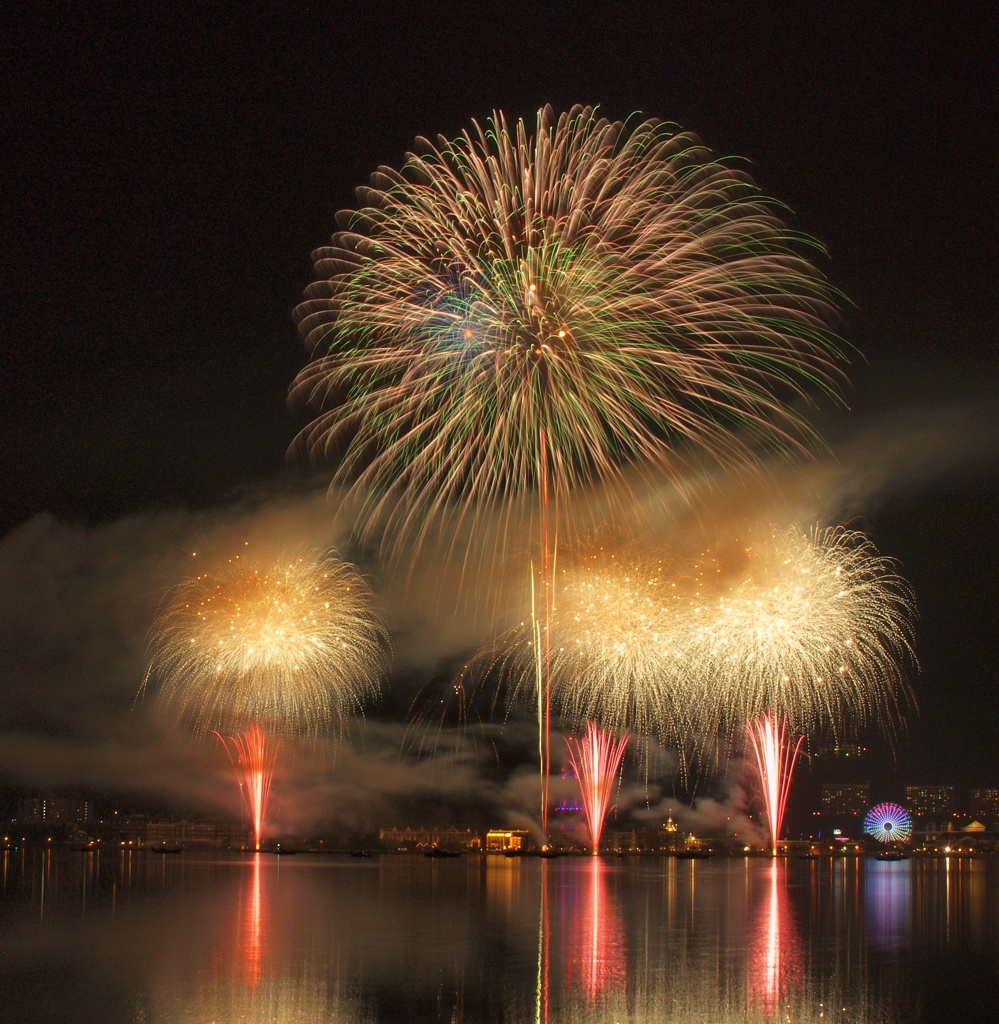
193 938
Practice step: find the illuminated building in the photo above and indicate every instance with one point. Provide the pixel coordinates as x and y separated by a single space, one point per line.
984 805
197 833
38 810
846 797
500 840
424 838
929 801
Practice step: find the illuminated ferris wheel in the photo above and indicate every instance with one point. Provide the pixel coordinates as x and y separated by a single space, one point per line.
888 823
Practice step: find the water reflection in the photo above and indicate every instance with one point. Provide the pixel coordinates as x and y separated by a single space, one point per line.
241 959
597 951
776 963
888 892
304 940
250 939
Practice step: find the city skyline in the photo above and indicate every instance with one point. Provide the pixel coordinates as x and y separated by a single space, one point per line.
164 203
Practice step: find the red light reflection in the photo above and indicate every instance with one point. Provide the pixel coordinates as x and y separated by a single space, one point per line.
252 933
597 951
776 967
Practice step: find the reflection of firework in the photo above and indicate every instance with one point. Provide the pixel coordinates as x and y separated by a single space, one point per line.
776 966
598 950
297 646
818 628
888 823
253 758
775 759
513 313
595 759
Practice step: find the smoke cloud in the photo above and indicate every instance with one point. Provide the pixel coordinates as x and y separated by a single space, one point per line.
77 601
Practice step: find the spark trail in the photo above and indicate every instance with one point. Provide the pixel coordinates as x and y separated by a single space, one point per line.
775 759
253 757
595 759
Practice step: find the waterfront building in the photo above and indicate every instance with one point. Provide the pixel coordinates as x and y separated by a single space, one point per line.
929 801
222 835
502 840
846 798
404 839
984 805
43 810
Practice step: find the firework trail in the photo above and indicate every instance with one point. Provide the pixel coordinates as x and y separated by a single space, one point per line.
595 759
295 646
253 758
775 758
512 316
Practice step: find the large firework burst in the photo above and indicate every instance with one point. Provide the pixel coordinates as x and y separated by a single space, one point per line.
296 646
816 628
813 627
518 311
622 643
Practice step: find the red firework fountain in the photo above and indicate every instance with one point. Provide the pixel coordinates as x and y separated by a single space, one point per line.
595 759
775 761
253 757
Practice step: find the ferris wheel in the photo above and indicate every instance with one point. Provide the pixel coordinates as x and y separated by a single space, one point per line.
888 823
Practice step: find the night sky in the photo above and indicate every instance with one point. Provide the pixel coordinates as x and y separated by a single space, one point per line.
167 171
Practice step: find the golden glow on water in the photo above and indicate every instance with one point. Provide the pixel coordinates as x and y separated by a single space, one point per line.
239 938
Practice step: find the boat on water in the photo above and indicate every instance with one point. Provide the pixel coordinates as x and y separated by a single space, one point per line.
360 853
893 855
165 847
693 855
80 841
437 852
